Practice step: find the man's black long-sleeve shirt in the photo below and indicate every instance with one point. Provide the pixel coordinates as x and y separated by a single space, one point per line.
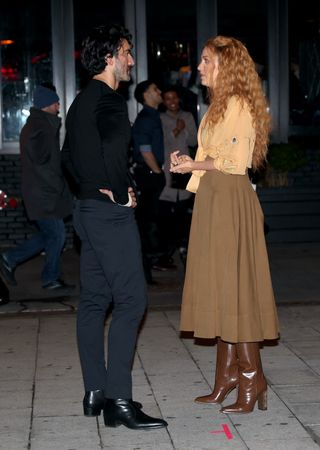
95 151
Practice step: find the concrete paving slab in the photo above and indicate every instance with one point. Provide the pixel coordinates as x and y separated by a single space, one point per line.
17 369
18 350
56 351
14 428
56 368
292 332
277 351
314 431
58 397
282 444
287 376
122 438
273 367
155 319
173 317
299 394
284 358
302 314
15 327
315 365
13 442
158 368
263 425
309 349
196 432
15 395
179 385
307 413
65 433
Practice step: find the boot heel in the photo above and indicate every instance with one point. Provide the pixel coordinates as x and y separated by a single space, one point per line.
92 411
93 403
262 401
111 423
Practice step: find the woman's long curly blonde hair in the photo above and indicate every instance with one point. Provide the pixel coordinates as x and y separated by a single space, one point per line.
237 76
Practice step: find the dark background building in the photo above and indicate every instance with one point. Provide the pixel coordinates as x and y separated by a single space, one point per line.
41 41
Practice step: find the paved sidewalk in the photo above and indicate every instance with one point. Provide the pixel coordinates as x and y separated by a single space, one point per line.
41 389
41 385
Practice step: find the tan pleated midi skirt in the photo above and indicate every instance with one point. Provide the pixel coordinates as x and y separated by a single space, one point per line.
228 289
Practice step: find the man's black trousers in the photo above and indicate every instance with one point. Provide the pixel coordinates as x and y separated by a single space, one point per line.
111 272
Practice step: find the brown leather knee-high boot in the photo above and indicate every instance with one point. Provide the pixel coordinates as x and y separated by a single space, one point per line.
226 378
252 383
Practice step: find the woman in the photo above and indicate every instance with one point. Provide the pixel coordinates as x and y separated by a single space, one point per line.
228 292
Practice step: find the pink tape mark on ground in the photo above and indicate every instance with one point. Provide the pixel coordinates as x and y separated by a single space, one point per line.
225 430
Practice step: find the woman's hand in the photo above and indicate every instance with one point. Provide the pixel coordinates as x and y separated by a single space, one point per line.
181 163
174 158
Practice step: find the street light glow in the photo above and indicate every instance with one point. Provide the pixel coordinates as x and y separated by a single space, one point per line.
6 42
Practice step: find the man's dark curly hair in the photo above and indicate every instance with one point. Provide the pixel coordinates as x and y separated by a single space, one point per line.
102 41
140 89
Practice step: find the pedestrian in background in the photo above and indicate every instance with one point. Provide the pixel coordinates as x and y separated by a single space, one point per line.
228 293
95 153
179 132
148 155
45 193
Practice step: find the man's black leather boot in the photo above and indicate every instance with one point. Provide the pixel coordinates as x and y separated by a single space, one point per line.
119 411
93 402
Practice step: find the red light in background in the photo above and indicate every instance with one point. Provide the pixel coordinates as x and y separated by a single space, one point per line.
38 58
9 73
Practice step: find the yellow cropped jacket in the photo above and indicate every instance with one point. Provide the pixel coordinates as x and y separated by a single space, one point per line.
230 142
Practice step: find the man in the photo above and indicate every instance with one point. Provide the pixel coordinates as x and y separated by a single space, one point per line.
148 155
95 152
46 196
147 129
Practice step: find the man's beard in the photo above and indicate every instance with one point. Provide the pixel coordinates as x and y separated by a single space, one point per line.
122 75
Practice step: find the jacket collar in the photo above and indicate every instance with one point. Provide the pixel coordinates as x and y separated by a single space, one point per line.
36 113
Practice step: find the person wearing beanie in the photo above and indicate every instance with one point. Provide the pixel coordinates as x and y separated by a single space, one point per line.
45 193
44 97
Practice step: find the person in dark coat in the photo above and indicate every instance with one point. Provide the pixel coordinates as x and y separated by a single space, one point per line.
45 193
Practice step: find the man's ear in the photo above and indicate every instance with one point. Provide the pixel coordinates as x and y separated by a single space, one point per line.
144 95
109 60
